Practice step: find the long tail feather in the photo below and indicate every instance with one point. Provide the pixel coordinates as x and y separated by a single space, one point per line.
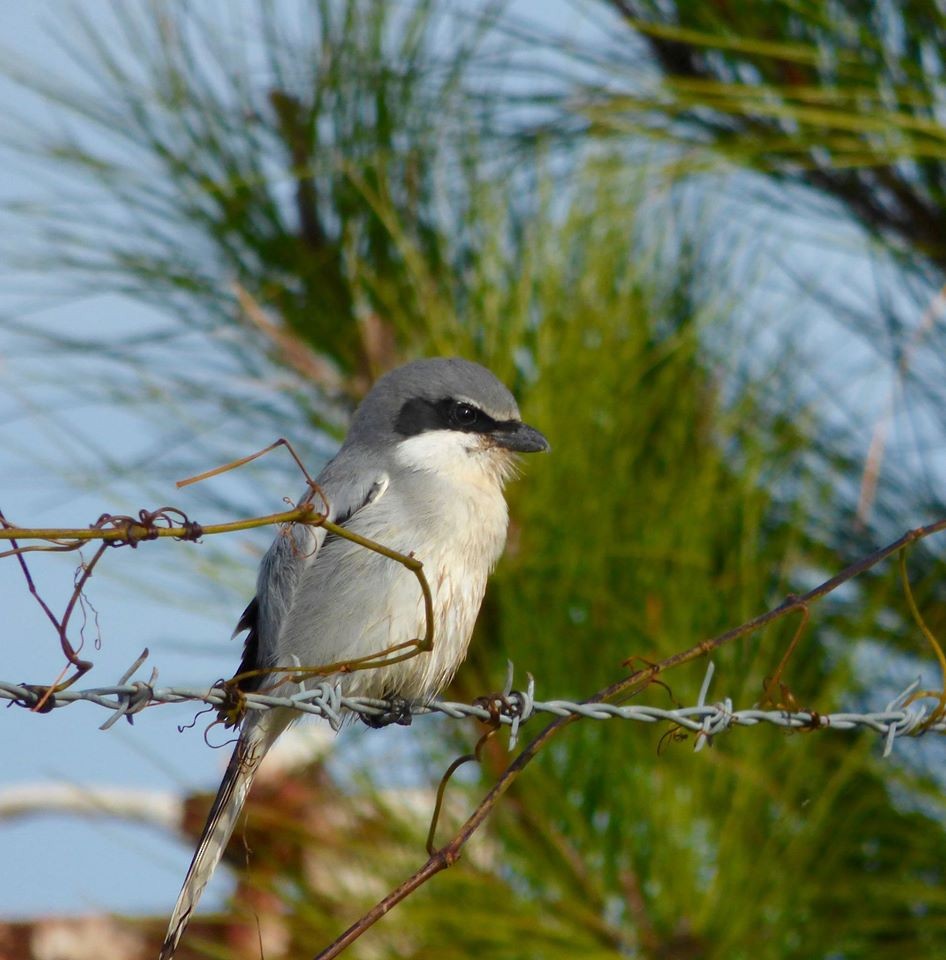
255 740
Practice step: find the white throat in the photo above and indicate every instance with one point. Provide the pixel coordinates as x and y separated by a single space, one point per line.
464 459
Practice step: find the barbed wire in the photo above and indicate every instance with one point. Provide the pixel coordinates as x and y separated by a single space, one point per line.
900 718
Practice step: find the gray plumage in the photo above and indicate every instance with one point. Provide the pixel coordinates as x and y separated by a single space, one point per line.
421 471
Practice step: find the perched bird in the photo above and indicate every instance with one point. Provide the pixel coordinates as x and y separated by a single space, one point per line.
422 472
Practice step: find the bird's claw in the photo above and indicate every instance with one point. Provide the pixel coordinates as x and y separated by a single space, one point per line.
398 711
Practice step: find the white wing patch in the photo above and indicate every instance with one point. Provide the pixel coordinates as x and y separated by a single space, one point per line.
378 489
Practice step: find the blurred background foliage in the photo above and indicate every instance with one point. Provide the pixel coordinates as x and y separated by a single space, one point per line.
704 243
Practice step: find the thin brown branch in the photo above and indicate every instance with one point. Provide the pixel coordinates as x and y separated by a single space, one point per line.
8 532
129 530
476 756
371 661
71 653
770 684
448 855
60 626
935 646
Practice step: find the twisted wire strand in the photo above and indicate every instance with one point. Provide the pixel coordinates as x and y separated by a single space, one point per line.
512 708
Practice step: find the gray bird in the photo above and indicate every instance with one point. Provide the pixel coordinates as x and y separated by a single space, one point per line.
421 471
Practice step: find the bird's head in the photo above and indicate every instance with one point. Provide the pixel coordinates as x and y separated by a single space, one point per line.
447 416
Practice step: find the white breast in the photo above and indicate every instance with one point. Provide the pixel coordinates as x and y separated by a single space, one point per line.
450 513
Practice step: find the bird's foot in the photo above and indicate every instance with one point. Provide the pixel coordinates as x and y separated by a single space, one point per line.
399 712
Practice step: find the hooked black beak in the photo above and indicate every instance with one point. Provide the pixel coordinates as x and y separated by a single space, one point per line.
522 438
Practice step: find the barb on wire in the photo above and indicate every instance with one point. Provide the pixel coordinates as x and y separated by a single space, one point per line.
139 699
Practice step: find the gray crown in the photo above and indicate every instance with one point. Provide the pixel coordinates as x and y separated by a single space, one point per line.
433 379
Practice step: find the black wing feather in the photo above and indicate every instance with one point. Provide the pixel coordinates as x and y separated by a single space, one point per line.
250 618
249 621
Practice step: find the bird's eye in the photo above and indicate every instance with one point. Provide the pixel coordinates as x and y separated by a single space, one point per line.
464 414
